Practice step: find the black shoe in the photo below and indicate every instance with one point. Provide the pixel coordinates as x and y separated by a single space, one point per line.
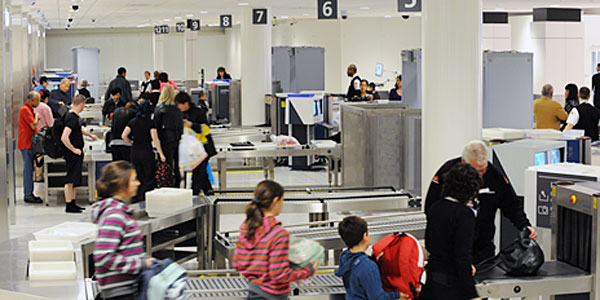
33 200
77 206
38 198
71 207
209 193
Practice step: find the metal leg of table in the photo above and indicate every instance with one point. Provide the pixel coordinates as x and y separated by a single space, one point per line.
91 182
200 220
336 175
46 183
271 166
265 167
330 170
222 166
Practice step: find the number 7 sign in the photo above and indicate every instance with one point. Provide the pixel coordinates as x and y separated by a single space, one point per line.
259 16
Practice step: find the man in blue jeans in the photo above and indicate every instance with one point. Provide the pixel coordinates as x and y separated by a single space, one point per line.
28 123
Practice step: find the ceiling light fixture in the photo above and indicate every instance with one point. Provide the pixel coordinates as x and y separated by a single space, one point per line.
243 4
167 20
364 8
554 5
177 18
387 16
189 15
203 12
284 17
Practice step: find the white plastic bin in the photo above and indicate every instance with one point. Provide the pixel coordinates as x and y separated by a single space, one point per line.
52 271
75 232
44 251
166 201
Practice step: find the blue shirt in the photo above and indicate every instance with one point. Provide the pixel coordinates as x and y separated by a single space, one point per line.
361 278
38 88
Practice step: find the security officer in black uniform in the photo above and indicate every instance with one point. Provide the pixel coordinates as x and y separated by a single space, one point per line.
354 88
495 193
584 116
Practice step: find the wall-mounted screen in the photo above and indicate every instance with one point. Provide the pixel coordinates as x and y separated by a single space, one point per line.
554 156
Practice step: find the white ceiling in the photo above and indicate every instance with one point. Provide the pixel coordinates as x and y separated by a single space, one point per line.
131 13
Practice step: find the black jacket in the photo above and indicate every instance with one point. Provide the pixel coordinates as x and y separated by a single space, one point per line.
121 117
84 92
198 117
122 83
58 96
496 193
596 89
110 105
168 120
352 91
449 241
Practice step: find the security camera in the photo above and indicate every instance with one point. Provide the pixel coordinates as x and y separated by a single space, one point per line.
405 17
75 7
70 20
344 14
93 20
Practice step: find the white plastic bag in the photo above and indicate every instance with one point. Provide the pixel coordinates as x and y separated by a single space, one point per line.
191 151
284 140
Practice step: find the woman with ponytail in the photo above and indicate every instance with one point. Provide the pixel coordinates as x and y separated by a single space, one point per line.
119 255
261 254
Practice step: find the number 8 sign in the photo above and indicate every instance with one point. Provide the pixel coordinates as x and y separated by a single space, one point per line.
327 9
226 21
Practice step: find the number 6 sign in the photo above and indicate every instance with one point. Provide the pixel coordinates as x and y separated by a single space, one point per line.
327 9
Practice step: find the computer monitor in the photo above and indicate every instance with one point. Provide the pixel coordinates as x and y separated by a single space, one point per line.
379 69
554 156
540 159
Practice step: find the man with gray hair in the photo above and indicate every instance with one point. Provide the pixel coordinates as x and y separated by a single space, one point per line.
28 126
548 114
495 193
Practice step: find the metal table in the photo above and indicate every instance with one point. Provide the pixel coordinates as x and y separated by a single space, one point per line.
90 159
268 152
240 135
150 226
14 255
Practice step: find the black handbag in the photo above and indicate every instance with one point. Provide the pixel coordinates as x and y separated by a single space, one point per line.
523 257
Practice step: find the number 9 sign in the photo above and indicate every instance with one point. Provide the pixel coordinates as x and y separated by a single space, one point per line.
327 9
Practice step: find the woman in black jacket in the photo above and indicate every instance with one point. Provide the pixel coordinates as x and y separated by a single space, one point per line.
168 120
571 97
120 149
195 118
449 237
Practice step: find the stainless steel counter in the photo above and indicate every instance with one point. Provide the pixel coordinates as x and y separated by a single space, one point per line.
14 255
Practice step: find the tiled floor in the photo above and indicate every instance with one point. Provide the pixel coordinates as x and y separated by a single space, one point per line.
31 218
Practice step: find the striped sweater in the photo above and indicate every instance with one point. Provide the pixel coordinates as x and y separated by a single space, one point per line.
264 259
119 254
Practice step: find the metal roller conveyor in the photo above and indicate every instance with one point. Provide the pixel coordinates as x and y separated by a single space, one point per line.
322 286
326 234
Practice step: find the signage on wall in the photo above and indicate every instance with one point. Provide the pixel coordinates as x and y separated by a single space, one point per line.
226 21
327 9
409 5
161 29
180 27
193 24
259 16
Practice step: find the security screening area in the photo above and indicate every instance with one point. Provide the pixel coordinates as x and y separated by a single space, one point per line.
321 149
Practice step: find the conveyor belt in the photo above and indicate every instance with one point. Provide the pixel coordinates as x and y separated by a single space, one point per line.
314 196
236 287
329 237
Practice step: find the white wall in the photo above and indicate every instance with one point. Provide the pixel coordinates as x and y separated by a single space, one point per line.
495 37
233 52
362 41
591 40
132 48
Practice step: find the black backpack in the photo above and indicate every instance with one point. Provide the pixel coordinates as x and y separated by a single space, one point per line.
523 257
53 146
37 143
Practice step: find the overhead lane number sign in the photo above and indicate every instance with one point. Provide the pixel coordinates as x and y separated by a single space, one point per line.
180 27
161 29
259 16
327 9
226 21
409 5
193 24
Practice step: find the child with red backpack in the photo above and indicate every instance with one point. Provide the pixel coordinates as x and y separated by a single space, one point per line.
360 274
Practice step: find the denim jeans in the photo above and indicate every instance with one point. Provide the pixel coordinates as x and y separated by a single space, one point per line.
27 173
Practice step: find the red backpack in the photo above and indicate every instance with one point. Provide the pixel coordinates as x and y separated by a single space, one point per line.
401 261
